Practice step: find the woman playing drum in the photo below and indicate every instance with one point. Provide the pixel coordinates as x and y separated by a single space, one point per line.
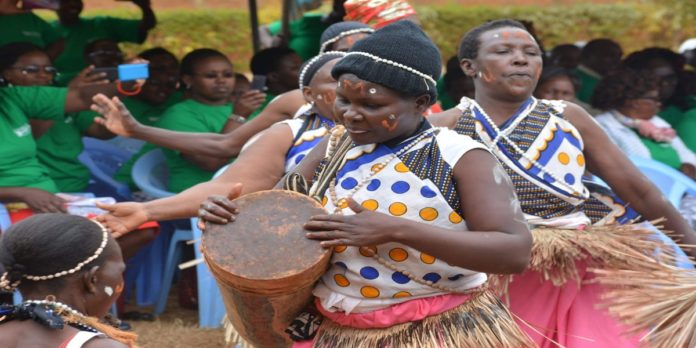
420 214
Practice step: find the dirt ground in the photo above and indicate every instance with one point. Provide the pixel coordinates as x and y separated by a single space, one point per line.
176 328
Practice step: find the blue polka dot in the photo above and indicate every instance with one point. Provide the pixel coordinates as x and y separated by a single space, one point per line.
369 273
374 185
349 183
341 264
427 192
400 278
569 179
299 158
455 277
548 178
433 277
400 187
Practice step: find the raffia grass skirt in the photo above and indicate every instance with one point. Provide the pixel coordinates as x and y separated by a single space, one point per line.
643 287
482 321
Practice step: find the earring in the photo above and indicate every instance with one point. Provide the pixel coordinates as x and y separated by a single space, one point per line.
479 74
392 117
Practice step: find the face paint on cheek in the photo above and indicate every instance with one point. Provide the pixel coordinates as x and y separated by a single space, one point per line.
392 127
487 76
119 289
109 291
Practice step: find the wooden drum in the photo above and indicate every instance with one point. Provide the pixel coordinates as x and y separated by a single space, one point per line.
264 265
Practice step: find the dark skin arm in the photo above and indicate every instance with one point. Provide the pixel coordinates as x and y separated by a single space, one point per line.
498 240
148 22
37 199
608 162
254 174
119 121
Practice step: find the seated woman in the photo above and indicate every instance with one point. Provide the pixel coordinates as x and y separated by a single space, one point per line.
406 200
630 100
68 269
280 147
60 142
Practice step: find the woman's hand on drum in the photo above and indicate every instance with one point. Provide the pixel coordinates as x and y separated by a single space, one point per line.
365 228
216 209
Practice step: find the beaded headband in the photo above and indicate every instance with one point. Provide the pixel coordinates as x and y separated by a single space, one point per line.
314 60
344 34
7 286
425 77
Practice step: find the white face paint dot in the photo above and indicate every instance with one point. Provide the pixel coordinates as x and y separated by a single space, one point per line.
373 90
320 97
108 290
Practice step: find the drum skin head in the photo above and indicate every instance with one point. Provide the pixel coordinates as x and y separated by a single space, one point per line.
267 240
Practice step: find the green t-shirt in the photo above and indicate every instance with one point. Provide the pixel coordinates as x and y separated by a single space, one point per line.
672 114
686 129
445 100
191 116
269 98
662 152
59 147
305 34
588 81
71 61
19 165
146 114
26 27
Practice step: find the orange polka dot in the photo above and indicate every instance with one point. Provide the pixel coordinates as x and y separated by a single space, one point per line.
455 218
398 209
340 248
369 291
563 158
427 258
581 160
401 167
428 214
341 280
377 167
402 294
368 251
370 204
342 203
398 254
324 201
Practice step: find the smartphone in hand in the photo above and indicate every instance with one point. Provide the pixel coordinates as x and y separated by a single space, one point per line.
124 72
258 82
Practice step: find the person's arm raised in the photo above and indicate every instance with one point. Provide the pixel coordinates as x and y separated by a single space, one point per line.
609 163
118 119
498 240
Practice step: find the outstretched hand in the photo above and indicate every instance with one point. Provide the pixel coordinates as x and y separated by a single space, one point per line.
122 218
218 209
364 228
114 115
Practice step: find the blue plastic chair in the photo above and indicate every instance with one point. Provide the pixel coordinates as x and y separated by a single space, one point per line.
211 308
127 144
151 175
670 181
103 160
5 221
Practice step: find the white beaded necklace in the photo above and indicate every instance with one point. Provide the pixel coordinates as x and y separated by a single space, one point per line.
58 306
368 251
501 135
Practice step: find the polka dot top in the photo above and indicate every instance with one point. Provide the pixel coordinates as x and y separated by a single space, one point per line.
419 186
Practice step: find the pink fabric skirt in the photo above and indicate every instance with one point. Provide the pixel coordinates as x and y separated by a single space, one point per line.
566 314
409 311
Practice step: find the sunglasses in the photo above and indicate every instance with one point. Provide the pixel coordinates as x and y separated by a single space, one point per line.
227 75
35 69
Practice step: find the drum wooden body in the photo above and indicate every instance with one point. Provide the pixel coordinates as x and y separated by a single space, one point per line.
264 265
